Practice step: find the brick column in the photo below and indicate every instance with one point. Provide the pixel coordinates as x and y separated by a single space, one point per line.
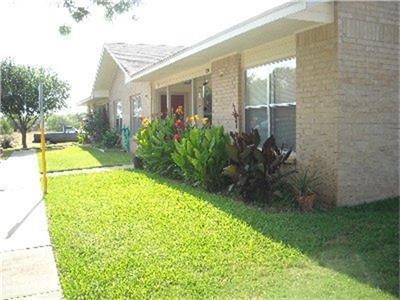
225 80
317 106
368 131
348 102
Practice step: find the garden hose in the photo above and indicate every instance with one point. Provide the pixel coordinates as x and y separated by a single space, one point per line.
126 132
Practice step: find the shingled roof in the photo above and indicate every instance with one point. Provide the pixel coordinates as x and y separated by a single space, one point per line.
133 58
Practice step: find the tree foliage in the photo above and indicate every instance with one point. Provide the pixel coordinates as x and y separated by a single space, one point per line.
80 10
57 122
19 94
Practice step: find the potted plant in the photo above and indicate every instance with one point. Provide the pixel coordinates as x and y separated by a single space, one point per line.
304 184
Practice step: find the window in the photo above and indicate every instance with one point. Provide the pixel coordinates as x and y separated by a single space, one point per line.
118 115
270 104
136 113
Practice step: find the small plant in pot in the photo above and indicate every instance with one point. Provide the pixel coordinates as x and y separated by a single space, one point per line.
304 185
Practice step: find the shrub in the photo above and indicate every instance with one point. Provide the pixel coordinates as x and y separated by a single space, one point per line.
96 125
6 141
156 144
201 156
255 172
5 126
111 138
304 183
83 138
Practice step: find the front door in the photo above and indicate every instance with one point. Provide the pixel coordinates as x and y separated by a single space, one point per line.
176 100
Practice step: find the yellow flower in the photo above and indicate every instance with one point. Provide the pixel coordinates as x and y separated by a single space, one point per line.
190 119
196 118
179 110
145 122
205 121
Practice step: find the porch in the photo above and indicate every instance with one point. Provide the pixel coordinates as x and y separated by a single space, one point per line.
194 95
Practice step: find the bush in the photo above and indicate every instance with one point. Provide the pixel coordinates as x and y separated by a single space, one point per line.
6 141
5 126
96 125
83 138
57 122
110 139
156 144
201 156
255 172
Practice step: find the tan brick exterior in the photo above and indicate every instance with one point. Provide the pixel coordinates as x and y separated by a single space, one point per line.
225 78
121 92
317 106
368 140
347 115
348 102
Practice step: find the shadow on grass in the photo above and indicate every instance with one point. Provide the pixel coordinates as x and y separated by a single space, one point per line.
361 241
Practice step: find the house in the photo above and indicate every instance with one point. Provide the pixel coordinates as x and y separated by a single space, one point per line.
323 77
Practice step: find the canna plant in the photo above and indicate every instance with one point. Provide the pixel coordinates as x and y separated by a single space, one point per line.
201 155
255 171
156 144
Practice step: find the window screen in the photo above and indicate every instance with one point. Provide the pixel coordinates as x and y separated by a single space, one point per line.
136 106
270 104
118 115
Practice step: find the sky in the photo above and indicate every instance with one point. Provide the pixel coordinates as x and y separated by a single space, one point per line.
29 33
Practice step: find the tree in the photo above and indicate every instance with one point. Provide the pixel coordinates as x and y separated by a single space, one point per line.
80 10
19 94
57 122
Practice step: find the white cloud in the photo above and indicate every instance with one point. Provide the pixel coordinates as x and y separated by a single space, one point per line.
29 32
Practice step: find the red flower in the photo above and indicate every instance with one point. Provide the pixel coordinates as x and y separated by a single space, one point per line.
177 137
179 124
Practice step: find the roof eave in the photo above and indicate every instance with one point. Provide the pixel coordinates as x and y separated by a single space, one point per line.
271 15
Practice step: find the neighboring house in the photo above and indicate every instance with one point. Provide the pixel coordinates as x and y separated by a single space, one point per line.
323 77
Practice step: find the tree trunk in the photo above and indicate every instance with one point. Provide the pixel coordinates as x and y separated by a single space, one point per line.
23 134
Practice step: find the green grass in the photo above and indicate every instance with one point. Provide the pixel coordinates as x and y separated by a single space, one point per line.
61 158
124 234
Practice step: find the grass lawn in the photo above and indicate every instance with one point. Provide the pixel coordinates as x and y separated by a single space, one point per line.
125 234
61 158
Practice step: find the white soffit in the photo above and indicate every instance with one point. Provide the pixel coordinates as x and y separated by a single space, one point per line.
284 20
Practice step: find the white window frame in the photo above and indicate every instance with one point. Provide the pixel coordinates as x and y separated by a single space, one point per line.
118 117
132 100
268 104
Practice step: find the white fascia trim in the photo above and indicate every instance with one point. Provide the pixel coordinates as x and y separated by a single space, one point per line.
83 102
98 68
267 17
104 50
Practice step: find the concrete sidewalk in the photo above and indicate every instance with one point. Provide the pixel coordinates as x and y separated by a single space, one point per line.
28 267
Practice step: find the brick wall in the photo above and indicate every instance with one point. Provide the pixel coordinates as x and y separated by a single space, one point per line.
121 92
225 80
369 101
317 106
348 102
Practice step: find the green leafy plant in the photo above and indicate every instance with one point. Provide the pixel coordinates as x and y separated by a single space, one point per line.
201 156
83 138
255 171
111 139
6 126
6 141
156 144
95 125
304 183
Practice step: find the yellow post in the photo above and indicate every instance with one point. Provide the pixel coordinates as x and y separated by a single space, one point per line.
43 147
42 138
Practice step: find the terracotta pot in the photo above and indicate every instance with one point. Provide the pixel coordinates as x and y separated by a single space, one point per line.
307 202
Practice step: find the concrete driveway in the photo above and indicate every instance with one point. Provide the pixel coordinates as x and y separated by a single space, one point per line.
28 267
